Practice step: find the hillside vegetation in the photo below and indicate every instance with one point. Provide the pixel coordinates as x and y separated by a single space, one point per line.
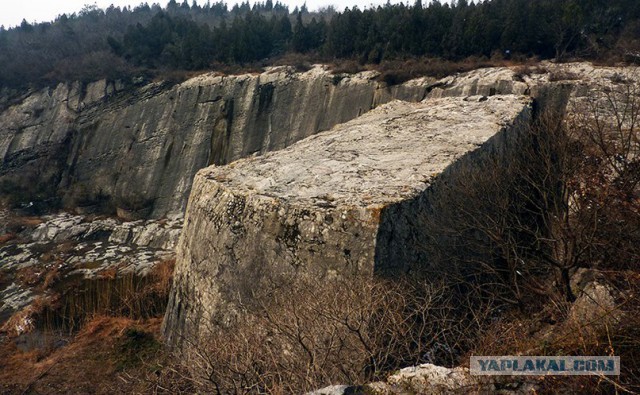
147 40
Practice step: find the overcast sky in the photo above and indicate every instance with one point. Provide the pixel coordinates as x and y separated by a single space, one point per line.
13 11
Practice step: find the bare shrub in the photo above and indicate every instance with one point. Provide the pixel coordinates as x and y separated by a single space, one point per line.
508 233
347 67
301 62
396 71
552 332
519 225
489 218
561 75
235 68
309 334
569 200
608 195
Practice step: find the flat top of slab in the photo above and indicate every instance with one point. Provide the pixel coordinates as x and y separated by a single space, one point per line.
384 156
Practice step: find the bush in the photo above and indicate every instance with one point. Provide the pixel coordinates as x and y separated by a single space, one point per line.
560 75
347 67
308 334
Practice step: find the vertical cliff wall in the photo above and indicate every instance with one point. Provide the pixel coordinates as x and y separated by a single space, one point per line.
139 149
341 203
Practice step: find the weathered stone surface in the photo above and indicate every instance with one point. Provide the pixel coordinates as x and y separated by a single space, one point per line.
138 149
336 390
428 379
14 298
71 246
486 82
595 308
580 78
343 202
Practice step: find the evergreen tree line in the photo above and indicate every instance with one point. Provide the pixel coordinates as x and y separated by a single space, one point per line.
117 42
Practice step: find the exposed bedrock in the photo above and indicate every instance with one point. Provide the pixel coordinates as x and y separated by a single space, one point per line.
138 148
105 145
340 203
582 78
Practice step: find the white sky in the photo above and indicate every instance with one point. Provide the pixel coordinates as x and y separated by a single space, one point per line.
13 11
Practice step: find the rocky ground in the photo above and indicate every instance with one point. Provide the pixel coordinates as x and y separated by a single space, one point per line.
37 254
45 263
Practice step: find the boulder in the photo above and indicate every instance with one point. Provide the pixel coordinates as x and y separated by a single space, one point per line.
429 379
345 202
595 308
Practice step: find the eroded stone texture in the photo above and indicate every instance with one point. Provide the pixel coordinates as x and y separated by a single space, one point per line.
74 246
343 202
579 78
139 148
428 379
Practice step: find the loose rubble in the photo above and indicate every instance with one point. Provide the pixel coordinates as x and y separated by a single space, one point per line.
74 245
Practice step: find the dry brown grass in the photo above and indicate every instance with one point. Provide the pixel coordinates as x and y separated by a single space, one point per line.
29 276
109 355
53 276
72 300
235 69
175 76
123 295
301 62
18 224
398 71
107 351
346 66
162 277
7 237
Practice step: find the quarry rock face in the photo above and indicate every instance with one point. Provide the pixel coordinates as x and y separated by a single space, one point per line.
134 149
534 81
138 148
340 203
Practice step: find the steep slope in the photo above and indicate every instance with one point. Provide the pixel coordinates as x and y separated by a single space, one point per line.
138 149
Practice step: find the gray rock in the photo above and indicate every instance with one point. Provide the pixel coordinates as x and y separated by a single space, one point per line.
343 202
14 298
595 308
140 148
428 379
88 248
334 390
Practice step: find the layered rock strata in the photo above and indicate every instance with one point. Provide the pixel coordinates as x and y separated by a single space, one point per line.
341 203
138 148
105 145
